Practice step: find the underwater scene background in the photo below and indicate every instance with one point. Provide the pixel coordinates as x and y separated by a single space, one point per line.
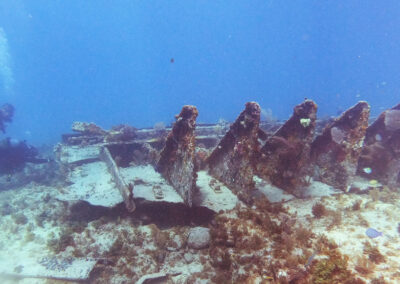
199 142
110 62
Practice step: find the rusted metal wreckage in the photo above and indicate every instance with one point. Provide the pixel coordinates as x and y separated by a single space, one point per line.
288 155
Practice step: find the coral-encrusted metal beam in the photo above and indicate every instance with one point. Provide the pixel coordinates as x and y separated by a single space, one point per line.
125 190
380 158
285 157
177 159
336 151
233 160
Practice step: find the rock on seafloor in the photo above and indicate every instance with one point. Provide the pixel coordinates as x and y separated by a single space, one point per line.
233 160
381 151
199 238
177 159
285 157
336 151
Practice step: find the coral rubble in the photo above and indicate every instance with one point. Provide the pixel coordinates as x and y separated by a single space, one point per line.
381 151
284 158
126 190
233 160
177 159
336 151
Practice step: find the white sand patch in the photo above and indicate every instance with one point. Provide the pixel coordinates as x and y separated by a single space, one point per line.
24 251
316 189
223 199
350 233
273 193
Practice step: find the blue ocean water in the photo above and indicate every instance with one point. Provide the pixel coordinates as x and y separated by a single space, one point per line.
110 62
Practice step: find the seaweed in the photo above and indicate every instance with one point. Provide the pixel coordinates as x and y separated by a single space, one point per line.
336 218
331 270
364 266
318 210
160 238
379 280
29 237
303 236
373 253
116 248
66 239
20 218
6 209
356 205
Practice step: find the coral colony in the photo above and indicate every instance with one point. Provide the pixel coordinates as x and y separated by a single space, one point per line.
304 201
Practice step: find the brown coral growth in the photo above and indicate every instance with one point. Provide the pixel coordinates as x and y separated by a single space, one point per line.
336 151
284 158
233 160
381 151
177 161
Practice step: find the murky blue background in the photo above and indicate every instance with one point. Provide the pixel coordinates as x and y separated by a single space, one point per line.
110 61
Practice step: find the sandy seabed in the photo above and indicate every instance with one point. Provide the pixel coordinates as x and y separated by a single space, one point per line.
45 239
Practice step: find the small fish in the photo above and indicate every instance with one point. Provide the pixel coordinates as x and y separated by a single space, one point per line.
373 182
372 233
267 277
310 260
367 170
378 137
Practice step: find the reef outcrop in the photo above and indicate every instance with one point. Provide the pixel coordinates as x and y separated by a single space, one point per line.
233 160
177 159
285 157
380 157
336 151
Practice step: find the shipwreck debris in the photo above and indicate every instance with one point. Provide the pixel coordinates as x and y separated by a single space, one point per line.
177 159
126 190
381 151
233 160
50 267
121 133
336 151
87 128
88 133
285 157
